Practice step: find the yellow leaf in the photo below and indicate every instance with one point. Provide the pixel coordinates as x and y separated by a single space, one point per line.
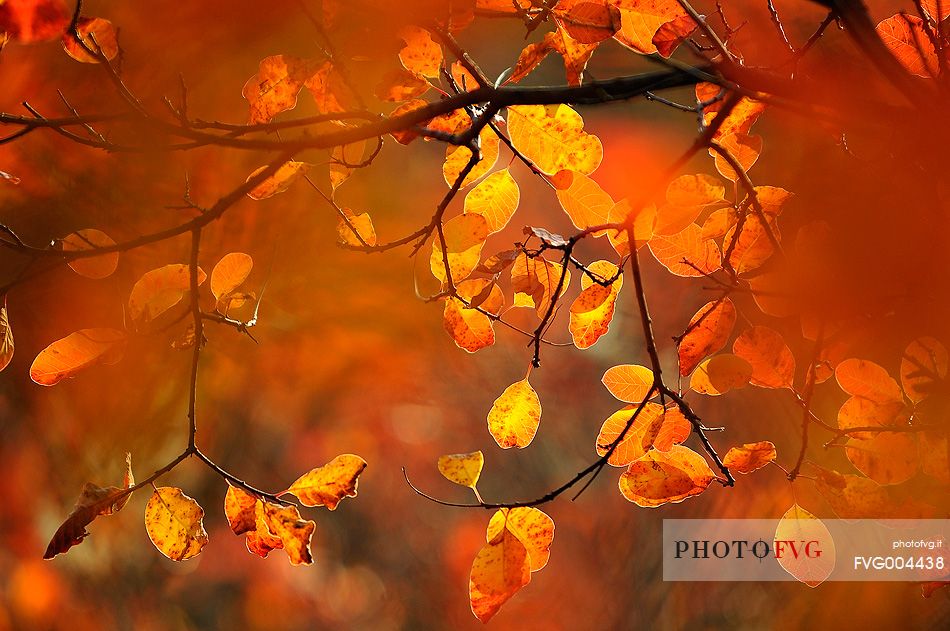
464 238
420 55
495 198
159 290
6 339
584 201
593 309
462 469
798 526
720 374
627 382
327 485
641 19
363 224
865 379
174 523
636 441
661 478
285 523
456 159
749 457
275 86
515 415
343 160
553 138
535 281
686 253
531 526
64 358
500 569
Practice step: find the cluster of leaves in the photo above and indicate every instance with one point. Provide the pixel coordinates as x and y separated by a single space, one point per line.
724 230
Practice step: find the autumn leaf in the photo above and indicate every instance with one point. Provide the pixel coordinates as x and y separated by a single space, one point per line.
885 457
280 181
6 338
662 478
644 221
456 159
745 148
495 198
329 484
739 120
923 368
515 415
588 22
343 161
686 198
229 273
637 440
462 469
464 238
275 87
553 138
773 365
720 374
285 524
641 19
420 55
77 351
584 201
500 569
628 382
174 524
404 137
798 525
159 290
93 501
593 309
865 379
686 253
400 85
95 267
749 457
470 328
853 496
750 247
906 37
669 36
707 333
97 34
329 90
575 55
240 507
362 223
532 527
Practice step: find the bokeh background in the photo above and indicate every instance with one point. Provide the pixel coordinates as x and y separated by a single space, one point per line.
349 361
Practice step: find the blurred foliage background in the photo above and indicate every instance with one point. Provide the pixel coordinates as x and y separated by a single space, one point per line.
349 361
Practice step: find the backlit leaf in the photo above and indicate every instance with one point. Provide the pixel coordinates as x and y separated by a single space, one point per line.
745 148
363 224
669 36
885 457
400 85
753 247
588 22
720 374
159 290
641 19
628 382
584 201
280 181
515 415
96 266
240 507
535 281
65 357
865 379
464 238
533 527
662 478
500 569
420 55
749 457
707 333
98 34
553 138
456 159
740 118
462 469
798 526
906 38
686 253
174 523
285 523
773 365
329 90
228 274
343 160
593 309
644 222
470 328
93 501
495 198
638 439
275 87
853 496
329 484
6 338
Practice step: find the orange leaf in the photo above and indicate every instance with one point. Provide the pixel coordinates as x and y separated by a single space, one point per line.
280 181
98 34
174 524
739 120
669 36
159 290
275 87
329 90
329 484
588 22
638 439
720 374
629 383
294 532
500 569
906 37
464 238
593 309
744 148
363 224
228 274
885 457
644 221
471 329
6 338
707 332
686 253
662 478
773 365
531 526
686 198
97 266
93 501
515 415
456 159
853 496
343 161
406 136
749 457
641 19
64 358
535 281
420 55
553 138
865 379
240 507
798 525
584 201
400 85
753 246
